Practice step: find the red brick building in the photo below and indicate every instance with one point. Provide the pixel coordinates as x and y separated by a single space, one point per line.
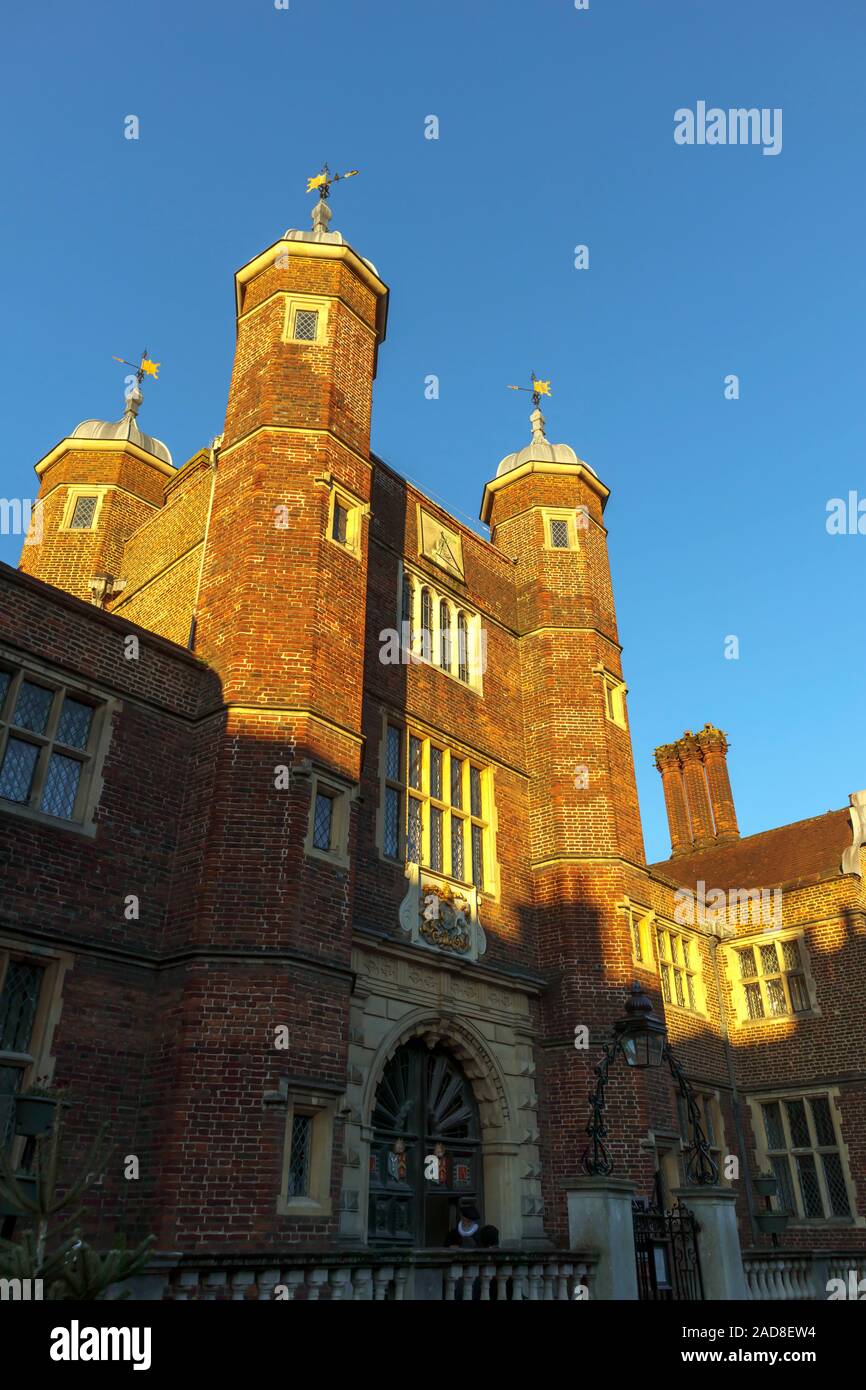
320 839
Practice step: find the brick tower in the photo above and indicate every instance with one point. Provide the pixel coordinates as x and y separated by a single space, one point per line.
280 620
545 509
95 488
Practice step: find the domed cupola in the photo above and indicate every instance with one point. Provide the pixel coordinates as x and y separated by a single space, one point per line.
125 429
540 450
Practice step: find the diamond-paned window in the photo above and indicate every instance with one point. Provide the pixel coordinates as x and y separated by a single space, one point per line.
83 514
299 1156
17 769
323 821
392 756
559 537
307 324
779 983
46 745
32 707
61 786
18 1003
393 817
435 838
73 728
803 1152
414 851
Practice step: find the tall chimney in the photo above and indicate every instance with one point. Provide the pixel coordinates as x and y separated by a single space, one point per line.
668 764
714 746
697 796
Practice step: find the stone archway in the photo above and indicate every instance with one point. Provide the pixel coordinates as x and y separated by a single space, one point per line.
499 1145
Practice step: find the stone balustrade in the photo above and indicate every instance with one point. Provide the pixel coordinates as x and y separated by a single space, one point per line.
802 1276
449 1276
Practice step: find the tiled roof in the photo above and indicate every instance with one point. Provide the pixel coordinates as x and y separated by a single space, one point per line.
807 851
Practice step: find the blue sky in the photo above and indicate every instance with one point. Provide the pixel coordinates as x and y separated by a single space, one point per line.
556 129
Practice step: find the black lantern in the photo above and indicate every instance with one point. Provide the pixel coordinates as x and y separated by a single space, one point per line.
640 1035
641 1039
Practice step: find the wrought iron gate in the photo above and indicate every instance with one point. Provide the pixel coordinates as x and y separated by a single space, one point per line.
666 1251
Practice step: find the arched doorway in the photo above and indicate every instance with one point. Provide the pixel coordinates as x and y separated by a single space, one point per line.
425 1154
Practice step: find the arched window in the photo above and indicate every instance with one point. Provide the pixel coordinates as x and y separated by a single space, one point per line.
406 612
424 1109
426 624
444 636
462 647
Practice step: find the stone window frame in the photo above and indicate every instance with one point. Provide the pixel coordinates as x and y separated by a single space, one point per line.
640 922
425 646
37 1061
423 795
317 1204
342 793
738 982
294 302
74 495
614 691
693 971
567 514
763 1151
90 784
357 510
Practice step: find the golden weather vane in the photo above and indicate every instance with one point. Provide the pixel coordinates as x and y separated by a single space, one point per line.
144 368
321 183
537 389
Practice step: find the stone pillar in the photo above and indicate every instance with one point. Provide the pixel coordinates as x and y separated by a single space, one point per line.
600 1222
668 764
715 1210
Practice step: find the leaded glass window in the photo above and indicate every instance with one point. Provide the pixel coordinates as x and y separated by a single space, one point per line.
20 990
777 981
559 535
803 1152
679 962
61 786
323 821
443 798
18 1003
299 1156
83 514
47 739
307 324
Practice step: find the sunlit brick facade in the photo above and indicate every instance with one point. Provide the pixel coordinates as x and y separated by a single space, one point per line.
356 789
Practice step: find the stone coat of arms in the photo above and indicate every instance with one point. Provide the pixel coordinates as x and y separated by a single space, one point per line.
441 914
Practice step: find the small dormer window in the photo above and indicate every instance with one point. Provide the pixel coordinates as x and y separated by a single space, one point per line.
83 514
306 325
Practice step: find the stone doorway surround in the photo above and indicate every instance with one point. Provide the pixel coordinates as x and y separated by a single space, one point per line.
487 1024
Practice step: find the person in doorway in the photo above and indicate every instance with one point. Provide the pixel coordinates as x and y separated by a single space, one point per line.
469 1234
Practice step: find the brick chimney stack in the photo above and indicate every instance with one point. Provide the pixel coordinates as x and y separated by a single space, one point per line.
698 797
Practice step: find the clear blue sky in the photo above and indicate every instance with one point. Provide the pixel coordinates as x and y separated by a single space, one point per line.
556 128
